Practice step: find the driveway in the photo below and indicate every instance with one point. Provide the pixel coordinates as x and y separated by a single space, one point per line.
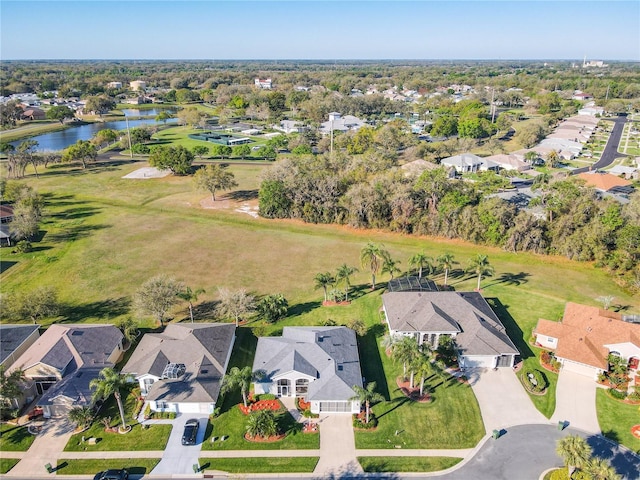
576 401
502 399
178 458
337 447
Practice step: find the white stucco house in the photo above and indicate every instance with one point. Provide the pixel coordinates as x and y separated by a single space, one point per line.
463 163
318 364
181 369
586 336
477 333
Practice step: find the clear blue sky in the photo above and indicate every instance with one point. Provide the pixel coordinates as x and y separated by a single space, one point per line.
94 29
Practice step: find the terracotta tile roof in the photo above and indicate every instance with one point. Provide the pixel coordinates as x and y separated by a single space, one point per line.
603 181
584 331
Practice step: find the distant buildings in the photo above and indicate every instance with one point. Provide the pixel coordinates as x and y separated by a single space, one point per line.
114 85
137 85
264 84
338 123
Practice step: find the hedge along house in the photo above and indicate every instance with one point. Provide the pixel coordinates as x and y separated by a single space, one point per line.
181 369
64 360
479 337
587 335
318 364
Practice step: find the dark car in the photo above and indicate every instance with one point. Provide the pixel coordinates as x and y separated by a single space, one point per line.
190 432
112 475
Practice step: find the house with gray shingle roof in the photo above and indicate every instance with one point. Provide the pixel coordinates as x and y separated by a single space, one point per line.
181 369
14 341
321 365
63 361
478 335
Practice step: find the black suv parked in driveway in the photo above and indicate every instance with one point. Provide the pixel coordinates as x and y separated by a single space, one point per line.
112 475
190 432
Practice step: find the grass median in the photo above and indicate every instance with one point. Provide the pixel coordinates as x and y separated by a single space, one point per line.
260 465
406 464
135 466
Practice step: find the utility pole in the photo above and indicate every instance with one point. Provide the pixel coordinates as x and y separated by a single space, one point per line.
331 148
129 135
493 106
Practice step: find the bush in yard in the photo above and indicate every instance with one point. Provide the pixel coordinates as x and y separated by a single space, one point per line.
360 421
534 380
617 394
266 396
147 411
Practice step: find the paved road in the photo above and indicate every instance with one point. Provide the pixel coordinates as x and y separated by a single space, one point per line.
610 152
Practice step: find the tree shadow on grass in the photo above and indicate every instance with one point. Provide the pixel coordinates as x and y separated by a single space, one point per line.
112 307
302 308
205 311
370 360
5 265
76 213
243 195
513 329
394 404
75 232
515 279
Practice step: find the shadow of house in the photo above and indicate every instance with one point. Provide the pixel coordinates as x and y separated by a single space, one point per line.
513 329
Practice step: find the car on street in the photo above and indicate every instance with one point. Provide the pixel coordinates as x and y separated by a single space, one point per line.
190 432
112 475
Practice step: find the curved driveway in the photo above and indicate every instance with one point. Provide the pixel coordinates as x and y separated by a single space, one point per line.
610 151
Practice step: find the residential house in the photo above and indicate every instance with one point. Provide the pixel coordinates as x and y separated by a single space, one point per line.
339 123
6 216
478 335
318 364
605 182
290 126
463 163
586 336
114 85
264 84
181 369
628 173
33 113
15 340
579 95
137 85
64 360
511 162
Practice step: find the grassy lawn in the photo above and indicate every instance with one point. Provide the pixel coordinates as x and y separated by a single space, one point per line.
7 464
153 438
31 129
232 424
419 425
135 466
14 438
616 419
260 465
407 464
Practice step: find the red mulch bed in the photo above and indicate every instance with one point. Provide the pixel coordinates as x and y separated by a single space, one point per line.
274 405
412 393
303 405
273 438
548 367
635 431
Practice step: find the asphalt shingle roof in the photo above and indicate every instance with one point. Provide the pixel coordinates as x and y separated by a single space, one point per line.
12 336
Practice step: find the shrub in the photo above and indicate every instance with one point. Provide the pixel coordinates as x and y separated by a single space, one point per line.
534 380
24 246
617 394
138 408
634 396
359 421
266 396
147 411
559 474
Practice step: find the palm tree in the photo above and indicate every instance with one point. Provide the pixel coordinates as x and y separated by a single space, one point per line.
438 368
390 266
481 267
575 452
81 416
110 382
405 350
446 262
422 261
599 469
343 275
388 341
10 385
372 256
424 369
190 296
324 280
553 157
262 424
367 395
237 378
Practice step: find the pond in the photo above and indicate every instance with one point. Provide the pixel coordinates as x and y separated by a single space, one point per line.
62 139
146 112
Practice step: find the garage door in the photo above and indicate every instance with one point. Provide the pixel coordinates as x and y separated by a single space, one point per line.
477 362
188 407
579 368
335 407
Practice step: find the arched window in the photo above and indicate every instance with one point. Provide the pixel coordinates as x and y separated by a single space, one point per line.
302 385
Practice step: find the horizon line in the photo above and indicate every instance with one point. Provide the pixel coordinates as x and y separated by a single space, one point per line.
316 59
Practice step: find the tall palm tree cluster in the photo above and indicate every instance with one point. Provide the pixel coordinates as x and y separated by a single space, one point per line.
342 277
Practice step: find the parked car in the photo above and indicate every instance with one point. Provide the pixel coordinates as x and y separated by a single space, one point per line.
112 475
190 431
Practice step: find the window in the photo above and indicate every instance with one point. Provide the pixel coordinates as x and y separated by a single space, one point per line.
302 385
161 405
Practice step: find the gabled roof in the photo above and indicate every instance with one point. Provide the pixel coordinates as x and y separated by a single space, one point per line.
603 181
464 159
478 329
12 336
584 331
327 354
203 348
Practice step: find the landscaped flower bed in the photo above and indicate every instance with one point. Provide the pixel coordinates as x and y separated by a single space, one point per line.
534 381
274 405
549 362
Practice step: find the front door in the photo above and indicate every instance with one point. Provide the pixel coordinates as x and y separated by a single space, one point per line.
284 388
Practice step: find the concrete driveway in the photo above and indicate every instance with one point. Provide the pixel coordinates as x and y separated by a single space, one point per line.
337 447
502 399
576 401
178 458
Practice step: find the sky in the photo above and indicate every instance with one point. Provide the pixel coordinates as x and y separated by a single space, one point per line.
368 30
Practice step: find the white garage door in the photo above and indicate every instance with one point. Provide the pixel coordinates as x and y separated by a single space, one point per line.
188 407
477 362
579 368
335 407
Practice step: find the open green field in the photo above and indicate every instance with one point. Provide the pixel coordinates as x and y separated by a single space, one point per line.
179 136
135 466
31 129
7 464
616 419
260 465
406 464
14 438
